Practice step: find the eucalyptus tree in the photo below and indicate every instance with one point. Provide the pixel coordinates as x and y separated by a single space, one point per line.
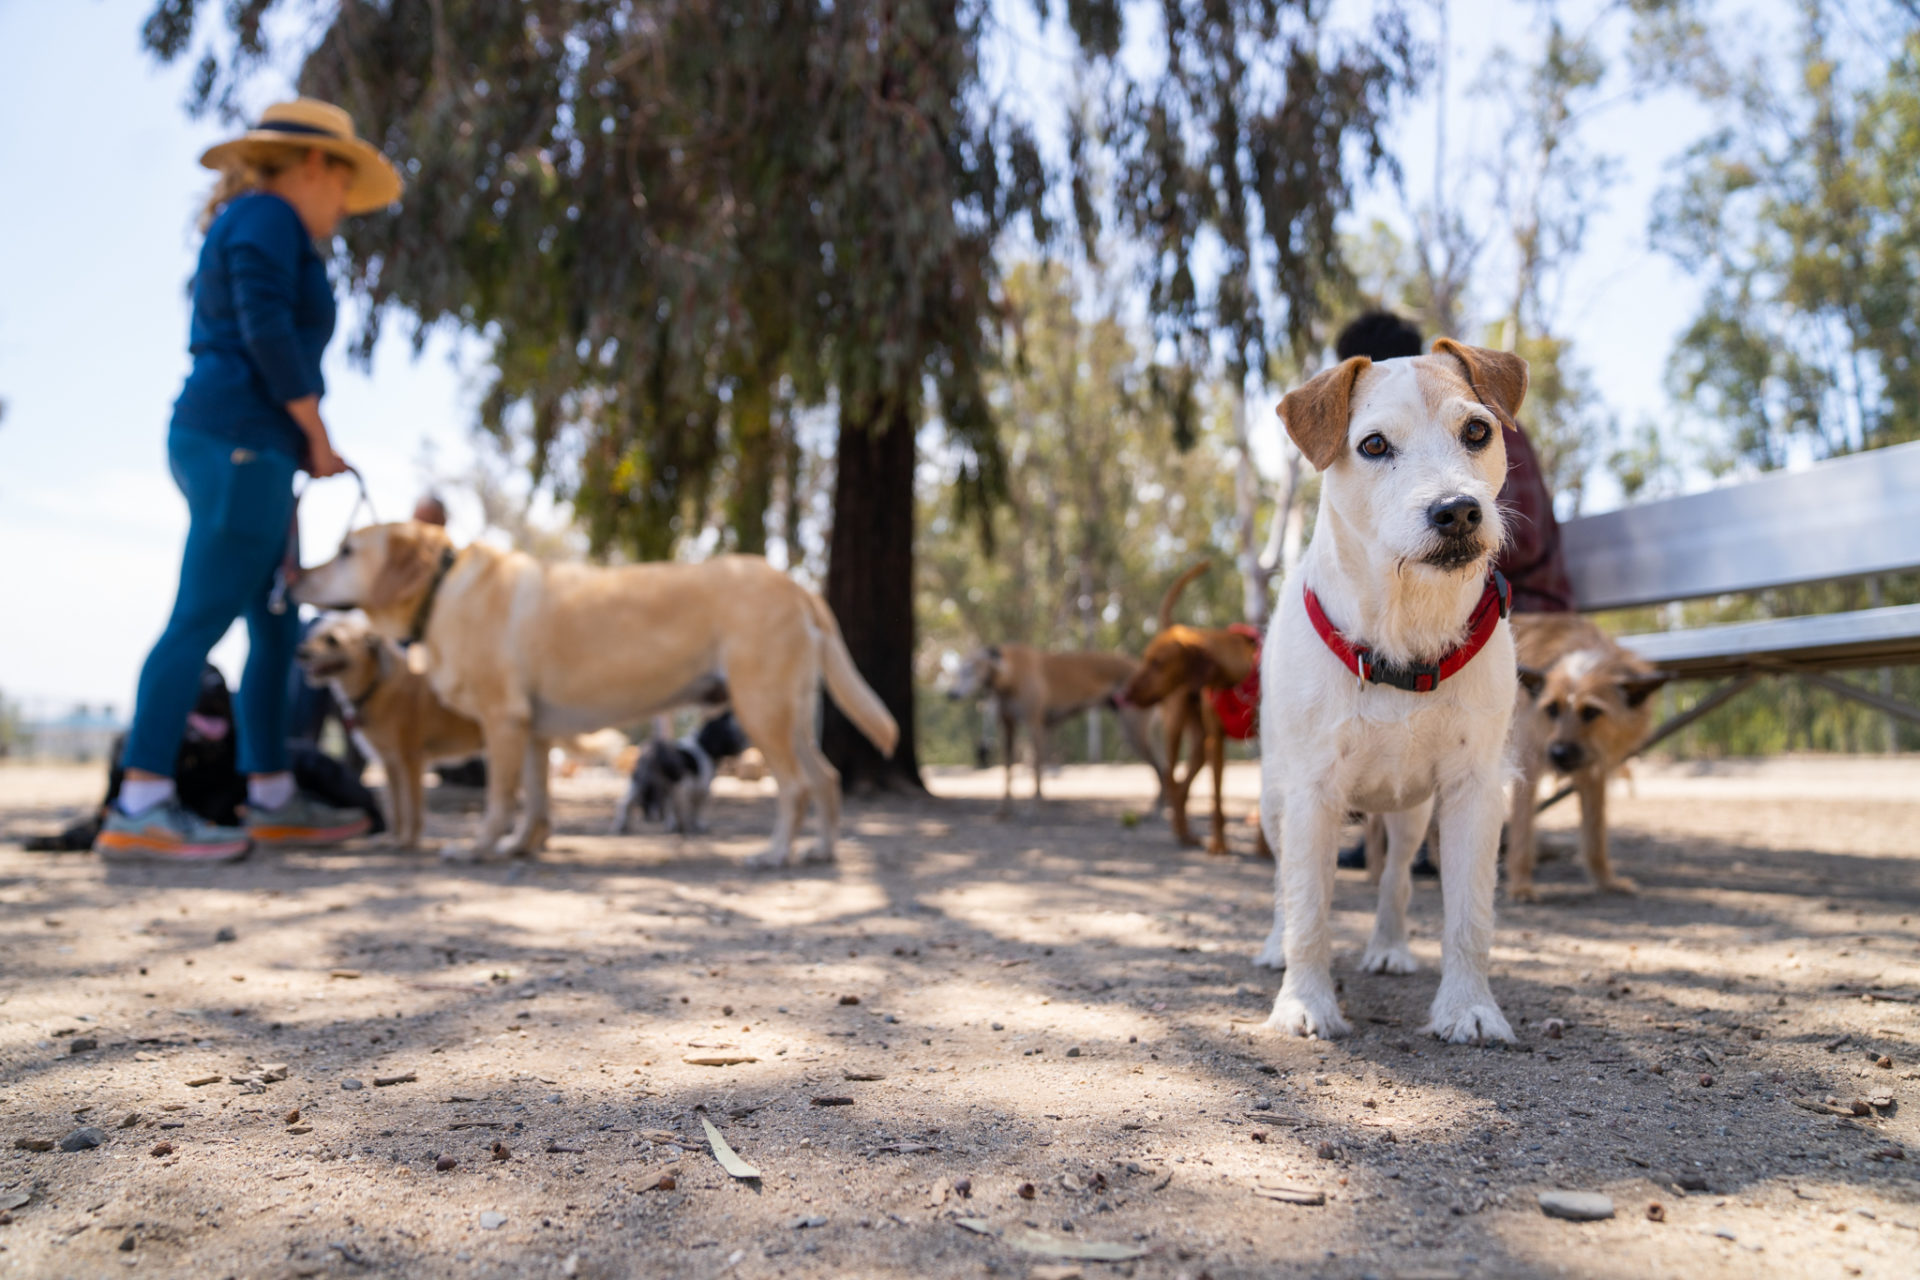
671 221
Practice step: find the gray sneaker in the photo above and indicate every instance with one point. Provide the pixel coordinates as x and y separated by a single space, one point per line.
304 820
168 832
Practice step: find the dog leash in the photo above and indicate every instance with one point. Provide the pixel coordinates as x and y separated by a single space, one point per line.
290 562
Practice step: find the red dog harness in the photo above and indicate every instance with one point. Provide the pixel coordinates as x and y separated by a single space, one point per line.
1239 706
1418 677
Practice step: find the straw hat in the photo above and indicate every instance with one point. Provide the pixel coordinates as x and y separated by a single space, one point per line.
308 122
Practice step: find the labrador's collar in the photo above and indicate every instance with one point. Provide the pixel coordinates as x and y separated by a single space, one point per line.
1495 602
424 613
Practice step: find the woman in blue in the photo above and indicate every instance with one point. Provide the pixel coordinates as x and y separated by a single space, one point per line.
247 420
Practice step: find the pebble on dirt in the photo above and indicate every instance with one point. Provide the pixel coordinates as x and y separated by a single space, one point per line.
1026 1191
82 1139
350 1084
161 1149
226 934
82 1044
444 1163
1656 1212
492 1220
1576 1206
965 1187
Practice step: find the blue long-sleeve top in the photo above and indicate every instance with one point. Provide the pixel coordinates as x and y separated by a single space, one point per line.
263 312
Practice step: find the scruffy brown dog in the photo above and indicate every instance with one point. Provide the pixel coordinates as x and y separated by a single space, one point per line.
394 710
1583 710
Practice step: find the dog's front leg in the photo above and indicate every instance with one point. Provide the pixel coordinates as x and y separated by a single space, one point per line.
1388 951
1309 834
1216 742
531 835
408 788
1592 785
1006 751
629 804
1464 1010
1273 952
506 738
1523 843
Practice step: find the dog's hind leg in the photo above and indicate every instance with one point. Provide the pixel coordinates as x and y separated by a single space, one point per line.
1006 752
823 787
769 719
531 835
1309 836
1388 951
1464 1010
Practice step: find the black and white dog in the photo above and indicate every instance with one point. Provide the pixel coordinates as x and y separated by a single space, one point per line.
671 780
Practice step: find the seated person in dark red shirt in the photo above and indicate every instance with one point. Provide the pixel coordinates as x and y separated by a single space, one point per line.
1532 559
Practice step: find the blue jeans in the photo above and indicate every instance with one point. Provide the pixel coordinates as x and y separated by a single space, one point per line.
239 505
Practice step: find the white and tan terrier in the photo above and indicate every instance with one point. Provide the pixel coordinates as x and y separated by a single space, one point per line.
1388 673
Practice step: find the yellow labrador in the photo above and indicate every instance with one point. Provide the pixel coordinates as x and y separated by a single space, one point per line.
538 651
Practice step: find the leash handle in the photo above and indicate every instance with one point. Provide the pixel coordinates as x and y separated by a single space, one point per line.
290 561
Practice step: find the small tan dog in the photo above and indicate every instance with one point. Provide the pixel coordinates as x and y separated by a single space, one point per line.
537 651
1039 690
394 710
1583 709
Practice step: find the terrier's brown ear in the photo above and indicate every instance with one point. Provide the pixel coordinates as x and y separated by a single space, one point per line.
1499 378
1317 414
1534 680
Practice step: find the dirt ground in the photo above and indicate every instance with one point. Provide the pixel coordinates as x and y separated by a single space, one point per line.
966 1044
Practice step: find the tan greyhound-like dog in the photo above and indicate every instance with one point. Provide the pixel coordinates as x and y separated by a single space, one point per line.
1040 690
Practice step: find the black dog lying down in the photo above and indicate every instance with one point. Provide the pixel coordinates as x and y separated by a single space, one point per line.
207 778
679 774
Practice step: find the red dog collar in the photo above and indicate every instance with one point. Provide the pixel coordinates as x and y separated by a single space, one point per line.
1417 677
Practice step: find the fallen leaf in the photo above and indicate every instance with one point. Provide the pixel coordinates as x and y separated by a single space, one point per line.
199 1081
720 1060
732 1163
1030 1241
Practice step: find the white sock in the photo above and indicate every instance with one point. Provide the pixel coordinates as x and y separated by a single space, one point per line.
137 795
269 790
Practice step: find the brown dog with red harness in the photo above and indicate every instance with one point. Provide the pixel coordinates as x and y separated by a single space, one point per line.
1206 682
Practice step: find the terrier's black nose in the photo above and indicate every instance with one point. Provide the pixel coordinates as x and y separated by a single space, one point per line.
1566 756
1455 517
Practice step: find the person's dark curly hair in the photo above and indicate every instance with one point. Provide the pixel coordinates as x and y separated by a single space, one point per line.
1378 335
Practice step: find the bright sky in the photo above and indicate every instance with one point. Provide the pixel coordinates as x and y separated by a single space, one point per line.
99 244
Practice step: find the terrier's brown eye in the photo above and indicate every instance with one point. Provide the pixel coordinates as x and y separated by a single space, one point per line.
1375 446
1478 432
1589 714
1553 710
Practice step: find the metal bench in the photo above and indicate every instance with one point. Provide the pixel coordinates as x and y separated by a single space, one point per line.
1847 518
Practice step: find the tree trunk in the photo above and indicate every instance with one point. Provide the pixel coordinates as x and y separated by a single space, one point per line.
870 589
1246 517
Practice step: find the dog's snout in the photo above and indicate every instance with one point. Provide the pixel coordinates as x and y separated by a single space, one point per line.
1456 517
1566 756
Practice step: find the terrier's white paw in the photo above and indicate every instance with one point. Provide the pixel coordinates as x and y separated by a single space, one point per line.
818 851
1470 1021
770 858
1295 1016
1389 959
1273 954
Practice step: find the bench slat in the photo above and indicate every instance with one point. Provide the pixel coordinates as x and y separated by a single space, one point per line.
1839 519
1865 638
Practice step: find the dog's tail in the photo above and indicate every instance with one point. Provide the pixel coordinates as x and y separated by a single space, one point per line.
1173 592
848 689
